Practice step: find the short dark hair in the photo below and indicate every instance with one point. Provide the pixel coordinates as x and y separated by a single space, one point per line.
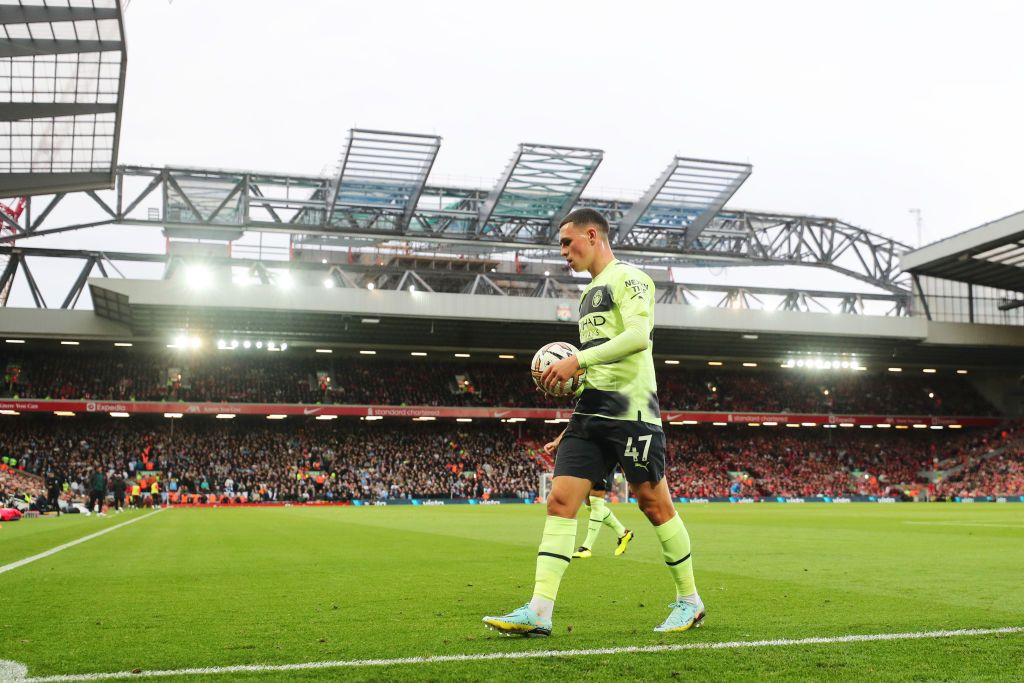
585 217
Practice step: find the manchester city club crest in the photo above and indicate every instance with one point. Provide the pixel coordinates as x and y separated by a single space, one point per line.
596 301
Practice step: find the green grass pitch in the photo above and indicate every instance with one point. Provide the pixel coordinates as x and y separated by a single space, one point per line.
219 587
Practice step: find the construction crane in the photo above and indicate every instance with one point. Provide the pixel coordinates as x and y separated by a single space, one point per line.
12 214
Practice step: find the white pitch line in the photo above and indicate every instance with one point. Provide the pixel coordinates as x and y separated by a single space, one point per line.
536 654
978 524
83 539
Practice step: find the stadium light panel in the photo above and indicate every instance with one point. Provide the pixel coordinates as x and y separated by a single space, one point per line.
424 418
15 341
829 426
285 281
463 419
246 344
173 416
64 413
412 288
462 355
225 416
960 372
883 425
9 412
195 342
720 424
800 363
792 424
902 427
329 283
750 336
846 424
689 422
753 424
715 363
368 353
928 371
516 419
370 286
671 362
198 277
770 424
123 344
371 418
69 343
750 365
417 353
370 321
931 394
284 346
547 273
327 417
506 356
551 422
259 344
920 426
955 426
937 427
670 422
276 417
325 350
120 415
867 426
809 424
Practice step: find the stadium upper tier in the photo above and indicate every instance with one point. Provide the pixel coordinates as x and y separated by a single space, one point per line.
278 378
259 461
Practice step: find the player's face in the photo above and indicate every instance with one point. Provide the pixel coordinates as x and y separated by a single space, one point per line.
577 246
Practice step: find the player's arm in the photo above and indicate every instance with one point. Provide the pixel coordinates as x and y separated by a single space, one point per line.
634 307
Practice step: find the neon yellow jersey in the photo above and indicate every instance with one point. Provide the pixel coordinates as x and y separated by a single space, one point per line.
616 332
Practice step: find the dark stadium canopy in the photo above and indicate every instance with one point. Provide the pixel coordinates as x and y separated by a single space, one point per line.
62 69
991 255
159 310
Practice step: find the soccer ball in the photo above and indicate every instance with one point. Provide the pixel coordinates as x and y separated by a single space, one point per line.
550 354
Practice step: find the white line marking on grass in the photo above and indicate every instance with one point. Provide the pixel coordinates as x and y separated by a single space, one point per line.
536 654
990 524
83 539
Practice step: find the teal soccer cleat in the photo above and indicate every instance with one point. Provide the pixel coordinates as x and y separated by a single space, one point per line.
523 621
683 617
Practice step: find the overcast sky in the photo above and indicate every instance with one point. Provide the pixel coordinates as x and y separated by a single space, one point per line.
861 111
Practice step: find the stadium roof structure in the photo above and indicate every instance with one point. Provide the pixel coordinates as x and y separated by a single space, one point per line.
687 196
62 72
159 309
991 255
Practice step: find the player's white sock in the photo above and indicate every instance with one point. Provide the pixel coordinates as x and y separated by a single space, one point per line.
693 599
542 607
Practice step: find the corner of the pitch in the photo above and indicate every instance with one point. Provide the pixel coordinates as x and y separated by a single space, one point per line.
12 672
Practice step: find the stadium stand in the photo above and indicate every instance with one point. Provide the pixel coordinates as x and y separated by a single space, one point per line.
281 379
251 460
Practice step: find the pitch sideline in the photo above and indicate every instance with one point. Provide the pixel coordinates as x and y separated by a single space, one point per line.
538 654
70 544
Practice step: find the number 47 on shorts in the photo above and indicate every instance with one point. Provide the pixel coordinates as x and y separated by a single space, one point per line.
639 459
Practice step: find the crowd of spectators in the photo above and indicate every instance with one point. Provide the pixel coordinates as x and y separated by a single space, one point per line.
255 460
281 378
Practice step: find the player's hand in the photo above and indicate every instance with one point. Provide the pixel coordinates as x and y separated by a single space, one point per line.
559 372
551 446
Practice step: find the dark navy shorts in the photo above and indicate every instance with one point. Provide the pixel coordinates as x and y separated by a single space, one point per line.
592 446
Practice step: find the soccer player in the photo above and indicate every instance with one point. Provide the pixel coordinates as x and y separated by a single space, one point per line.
600 514
617 421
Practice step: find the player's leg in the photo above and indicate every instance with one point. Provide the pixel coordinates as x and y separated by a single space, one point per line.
595 517
553 556
579 463
642 449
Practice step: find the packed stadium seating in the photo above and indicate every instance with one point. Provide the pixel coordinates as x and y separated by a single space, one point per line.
280 378
313 460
